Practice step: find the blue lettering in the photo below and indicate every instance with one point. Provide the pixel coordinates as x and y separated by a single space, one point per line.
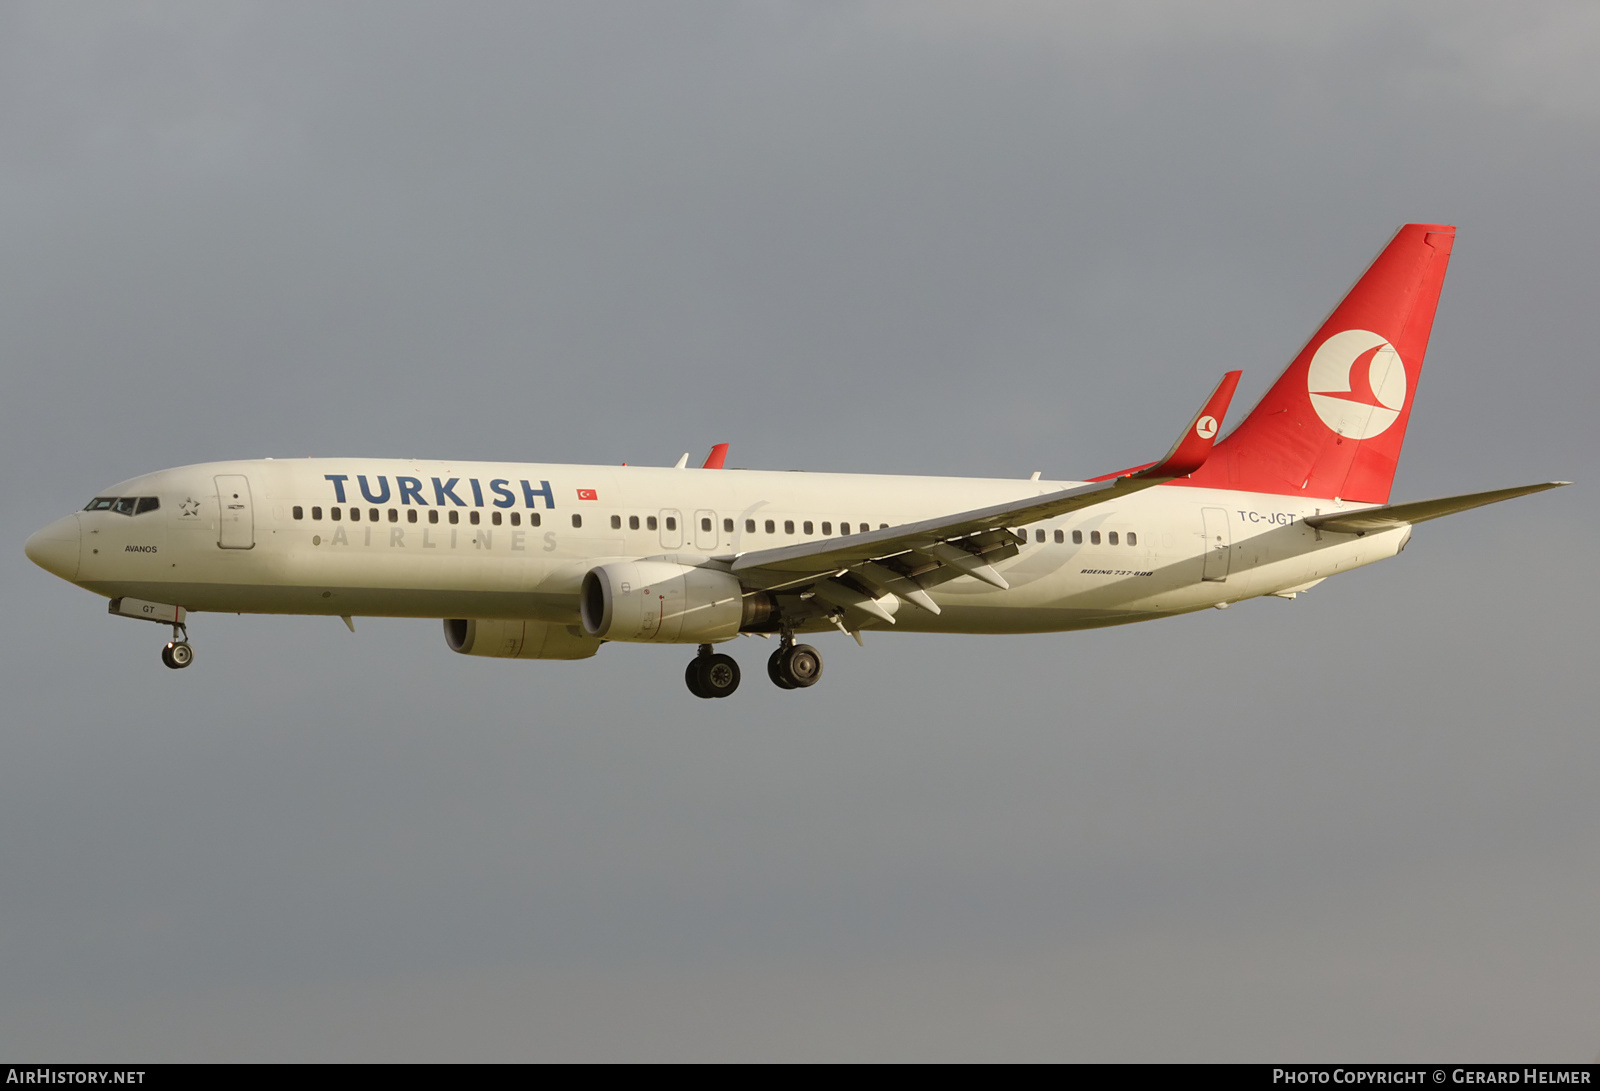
529 492
442 491
338 485
498 487
384 481
477 493
410 489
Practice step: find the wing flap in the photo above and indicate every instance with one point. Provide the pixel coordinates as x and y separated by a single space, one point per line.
1419 511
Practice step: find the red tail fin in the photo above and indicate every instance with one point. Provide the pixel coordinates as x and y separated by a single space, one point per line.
1333 423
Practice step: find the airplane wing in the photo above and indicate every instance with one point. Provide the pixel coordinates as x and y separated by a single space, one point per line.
1420 511
857 572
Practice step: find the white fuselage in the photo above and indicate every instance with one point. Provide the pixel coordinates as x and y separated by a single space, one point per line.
522 539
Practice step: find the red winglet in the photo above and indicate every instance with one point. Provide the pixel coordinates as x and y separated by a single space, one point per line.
1194 446
718 455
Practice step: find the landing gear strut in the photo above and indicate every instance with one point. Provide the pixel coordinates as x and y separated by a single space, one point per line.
711 674
794 666
178 654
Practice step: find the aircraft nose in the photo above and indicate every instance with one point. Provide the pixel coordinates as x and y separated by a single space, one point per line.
55 548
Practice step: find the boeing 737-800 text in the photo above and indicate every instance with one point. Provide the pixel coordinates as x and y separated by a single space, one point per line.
534 561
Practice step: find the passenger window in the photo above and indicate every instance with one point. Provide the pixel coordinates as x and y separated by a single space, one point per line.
616 522
827 528
494 517
316 515
372 514
806 527
411 515
1133 539
705 523
473 517
788 526
1060 537
772 528
298 512
749 526
881 526
650 522
1112 538
433 515
335 514
727 526
394 515
533 518
672 522
1094 537
577 520
148 503
633 522
516 518
355 515
455 517
844 528
1038 535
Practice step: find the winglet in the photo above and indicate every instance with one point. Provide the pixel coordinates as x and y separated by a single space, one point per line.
718 455
1194 446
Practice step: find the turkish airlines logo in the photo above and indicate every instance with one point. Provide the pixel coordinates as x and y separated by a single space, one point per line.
1206 427
1357 384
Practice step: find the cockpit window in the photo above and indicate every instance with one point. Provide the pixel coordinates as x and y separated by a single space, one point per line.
124 505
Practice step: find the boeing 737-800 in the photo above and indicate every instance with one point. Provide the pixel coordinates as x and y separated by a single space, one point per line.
535 561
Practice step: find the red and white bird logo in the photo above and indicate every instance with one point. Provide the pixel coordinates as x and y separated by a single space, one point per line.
1357 384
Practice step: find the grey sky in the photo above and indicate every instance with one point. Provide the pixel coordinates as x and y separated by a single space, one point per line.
921 238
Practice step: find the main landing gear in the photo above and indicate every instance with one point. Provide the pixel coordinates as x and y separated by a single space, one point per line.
792 666
711 674
178 654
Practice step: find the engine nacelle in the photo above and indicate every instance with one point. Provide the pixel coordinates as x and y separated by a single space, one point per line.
664 602
517 639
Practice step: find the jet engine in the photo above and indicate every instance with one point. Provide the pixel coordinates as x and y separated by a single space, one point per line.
517 639
663 602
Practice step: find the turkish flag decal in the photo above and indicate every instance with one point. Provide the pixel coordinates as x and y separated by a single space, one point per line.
587 494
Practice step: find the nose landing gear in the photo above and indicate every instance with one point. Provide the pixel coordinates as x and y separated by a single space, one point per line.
178 654
711 674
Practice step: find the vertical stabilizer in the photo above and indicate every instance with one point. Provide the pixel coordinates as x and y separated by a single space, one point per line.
1333 423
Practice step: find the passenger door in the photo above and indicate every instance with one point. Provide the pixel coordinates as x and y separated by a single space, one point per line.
1218 546
236 524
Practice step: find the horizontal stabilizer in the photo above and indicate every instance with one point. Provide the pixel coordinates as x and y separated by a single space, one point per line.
1397 515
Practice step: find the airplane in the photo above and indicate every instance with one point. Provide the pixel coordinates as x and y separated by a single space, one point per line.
546 561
